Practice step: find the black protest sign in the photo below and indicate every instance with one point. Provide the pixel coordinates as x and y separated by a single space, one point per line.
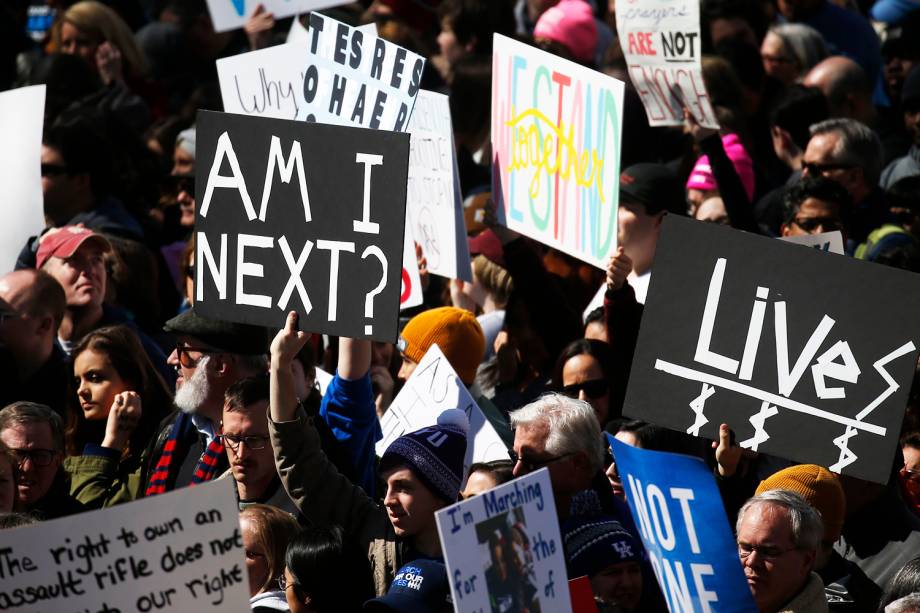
299 216
806 355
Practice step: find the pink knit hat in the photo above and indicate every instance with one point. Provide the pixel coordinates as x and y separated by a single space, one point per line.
701 178
571 24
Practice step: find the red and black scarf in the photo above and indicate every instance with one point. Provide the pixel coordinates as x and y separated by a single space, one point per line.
205 470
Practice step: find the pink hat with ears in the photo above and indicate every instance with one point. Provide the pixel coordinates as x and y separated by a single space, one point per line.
571 24
702 178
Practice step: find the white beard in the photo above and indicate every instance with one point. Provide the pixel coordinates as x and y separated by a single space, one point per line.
195 391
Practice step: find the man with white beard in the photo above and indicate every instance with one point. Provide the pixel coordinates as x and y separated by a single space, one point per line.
209 357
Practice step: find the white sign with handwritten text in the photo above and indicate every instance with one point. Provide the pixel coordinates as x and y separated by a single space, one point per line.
432 389
180 551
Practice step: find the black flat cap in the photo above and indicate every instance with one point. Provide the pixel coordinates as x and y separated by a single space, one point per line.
244 339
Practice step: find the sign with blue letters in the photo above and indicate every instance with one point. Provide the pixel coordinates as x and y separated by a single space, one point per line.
679 515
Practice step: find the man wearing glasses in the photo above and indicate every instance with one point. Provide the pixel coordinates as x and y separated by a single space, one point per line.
210 356
563 435
249 451
850 154
35 436
814 205
778 537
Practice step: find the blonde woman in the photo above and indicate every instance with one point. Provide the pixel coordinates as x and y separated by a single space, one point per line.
96 34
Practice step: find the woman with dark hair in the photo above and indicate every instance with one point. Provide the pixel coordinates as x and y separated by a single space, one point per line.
118 400
582 372
487 475
325 573
266 532
905 581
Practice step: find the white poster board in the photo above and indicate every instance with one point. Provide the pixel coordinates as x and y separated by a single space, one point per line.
831 242
233 14
432 389
556 131
354 79
517 521
433 200
661 42
21 120
180 551
266 83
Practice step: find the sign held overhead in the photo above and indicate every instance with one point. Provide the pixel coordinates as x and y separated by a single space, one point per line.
787 359
299 216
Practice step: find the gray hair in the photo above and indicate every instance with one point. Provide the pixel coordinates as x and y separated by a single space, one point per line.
573 426
908 604
803 42
23 412
807 527
858 145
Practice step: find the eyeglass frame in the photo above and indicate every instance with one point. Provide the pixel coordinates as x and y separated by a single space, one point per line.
21 455
233 441
827 223
529 465
910 474
768 554
180 350
284 585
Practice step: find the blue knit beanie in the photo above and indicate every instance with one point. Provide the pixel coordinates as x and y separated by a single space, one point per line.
594 543
434 454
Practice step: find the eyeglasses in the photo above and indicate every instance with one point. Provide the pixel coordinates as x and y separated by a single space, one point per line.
188 361
769 554
39 457
910 474
810 224
53 170
5 316
252 442
815 169
530 465
284 585
595 388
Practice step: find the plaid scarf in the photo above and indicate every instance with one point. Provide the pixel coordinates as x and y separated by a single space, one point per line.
205 470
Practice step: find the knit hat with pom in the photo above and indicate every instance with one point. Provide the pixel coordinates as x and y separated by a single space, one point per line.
454 330
434 454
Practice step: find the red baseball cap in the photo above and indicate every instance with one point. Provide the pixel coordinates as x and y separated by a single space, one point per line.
64 242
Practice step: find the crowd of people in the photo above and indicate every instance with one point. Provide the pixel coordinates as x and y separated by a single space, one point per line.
115 389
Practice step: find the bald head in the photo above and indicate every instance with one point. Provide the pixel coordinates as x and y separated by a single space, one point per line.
845 85
37 303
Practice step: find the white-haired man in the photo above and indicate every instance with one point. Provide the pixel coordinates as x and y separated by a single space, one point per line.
563 435
778 538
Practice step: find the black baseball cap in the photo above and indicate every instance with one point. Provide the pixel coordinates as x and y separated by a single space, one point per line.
419 587
655 186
